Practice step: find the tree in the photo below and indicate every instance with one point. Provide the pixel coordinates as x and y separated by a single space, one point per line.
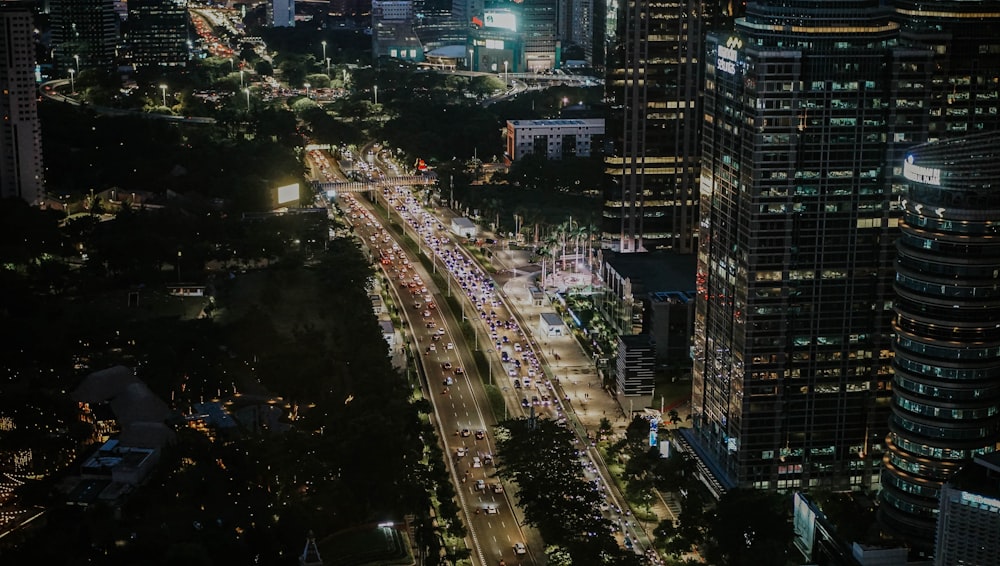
750 527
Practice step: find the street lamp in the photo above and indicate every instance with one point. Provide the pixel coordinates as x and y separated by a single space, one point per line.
505 81
232 65
376 94
247 91
323 43
327 68
307 85
163 88
77 59
470 59
241 78
72 81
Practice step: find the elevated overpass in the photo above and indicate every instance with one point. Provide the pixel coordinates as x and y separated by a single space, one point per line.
365 186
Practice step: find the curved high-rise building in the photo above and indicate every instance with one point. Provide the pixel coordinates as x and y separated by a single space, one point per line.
946 388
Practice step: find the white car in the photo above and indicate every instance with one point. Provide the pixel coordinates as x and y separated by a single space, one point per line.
450 346
492 510
477 463
480 485
461 451
520 549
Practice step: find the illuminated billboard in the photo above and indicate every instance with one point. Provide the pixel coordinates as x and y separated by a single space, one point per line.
500 19
288 193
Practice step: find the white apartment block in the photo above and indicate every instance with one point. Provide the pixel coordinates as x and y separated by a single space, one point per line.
554 139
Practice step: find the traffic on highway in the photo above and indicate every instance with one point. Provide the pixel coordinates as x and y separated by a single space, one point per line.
494 529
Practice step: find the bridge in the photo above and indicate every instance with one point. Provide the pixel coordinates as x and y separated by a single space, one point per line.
365 186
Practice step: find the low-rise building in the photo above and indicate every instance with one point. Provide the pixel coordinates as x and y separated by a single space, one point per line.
462 226
554 139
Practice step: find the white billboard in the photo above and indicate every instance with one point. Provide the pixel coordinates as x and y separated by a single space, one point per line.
500 19
288 193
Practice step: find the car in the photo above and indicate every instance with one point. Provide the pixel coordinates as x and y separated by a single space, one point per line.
440 331
427 314
535 400
450 346
480 485
492 510
520 549
459 371
435 337
517 384
417 305
525 403
431 324
497 488
466 432
461 451
476 462
480 434
449 381
432 348
446 365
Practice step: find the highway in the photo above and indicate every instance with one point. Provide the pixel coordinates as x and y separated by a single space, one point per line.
457 396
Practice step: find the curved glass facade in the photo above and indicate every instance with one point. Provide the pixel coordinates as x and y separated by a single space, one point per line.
946 396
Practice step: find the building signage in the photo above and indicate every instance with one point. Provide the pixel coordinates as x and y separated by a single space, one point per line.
726 60
919 174
977 499
500 19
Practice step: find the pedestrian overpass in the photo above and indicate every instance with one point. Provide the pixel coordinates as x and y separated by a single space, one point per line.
365 186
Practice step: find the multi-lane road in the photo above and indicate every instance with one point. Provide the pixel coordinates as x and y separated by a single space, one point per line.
452 382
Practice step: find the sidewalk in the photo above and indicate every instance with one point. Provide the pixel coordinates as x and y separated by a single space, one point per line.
574 374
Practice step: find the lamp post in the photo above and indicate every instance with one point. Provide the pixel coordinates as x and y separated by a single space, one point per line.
505 80
163 88
470 60
77 59
323 43
328 68
72 80
307 85
376 94
232 65
247 91
241 78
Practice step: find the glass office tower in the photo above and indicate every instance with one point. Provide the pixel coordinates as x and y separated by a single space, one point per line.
805 105
946 401
654 89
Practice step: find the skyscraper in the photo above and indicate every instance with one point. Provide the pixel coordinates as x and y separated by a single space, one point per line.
806 105
946 394
84 33
20 132
538 26
653 86
157 33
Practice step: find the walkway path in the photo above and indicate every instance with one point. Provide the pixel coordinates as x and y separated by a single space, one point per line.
575 373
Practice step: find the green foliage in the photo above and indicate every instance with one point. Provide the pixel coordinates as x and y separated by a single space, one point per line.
540 457
750 527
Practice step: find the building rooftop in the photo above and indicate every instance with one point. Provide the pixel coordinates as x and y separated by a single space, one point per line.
560 122
981 476
652 272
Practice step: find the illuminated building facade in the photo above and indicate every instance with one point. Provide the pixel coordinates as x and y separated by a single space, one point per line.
946 393
653 86
157 33
84 33
21 173
805 104
968 531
